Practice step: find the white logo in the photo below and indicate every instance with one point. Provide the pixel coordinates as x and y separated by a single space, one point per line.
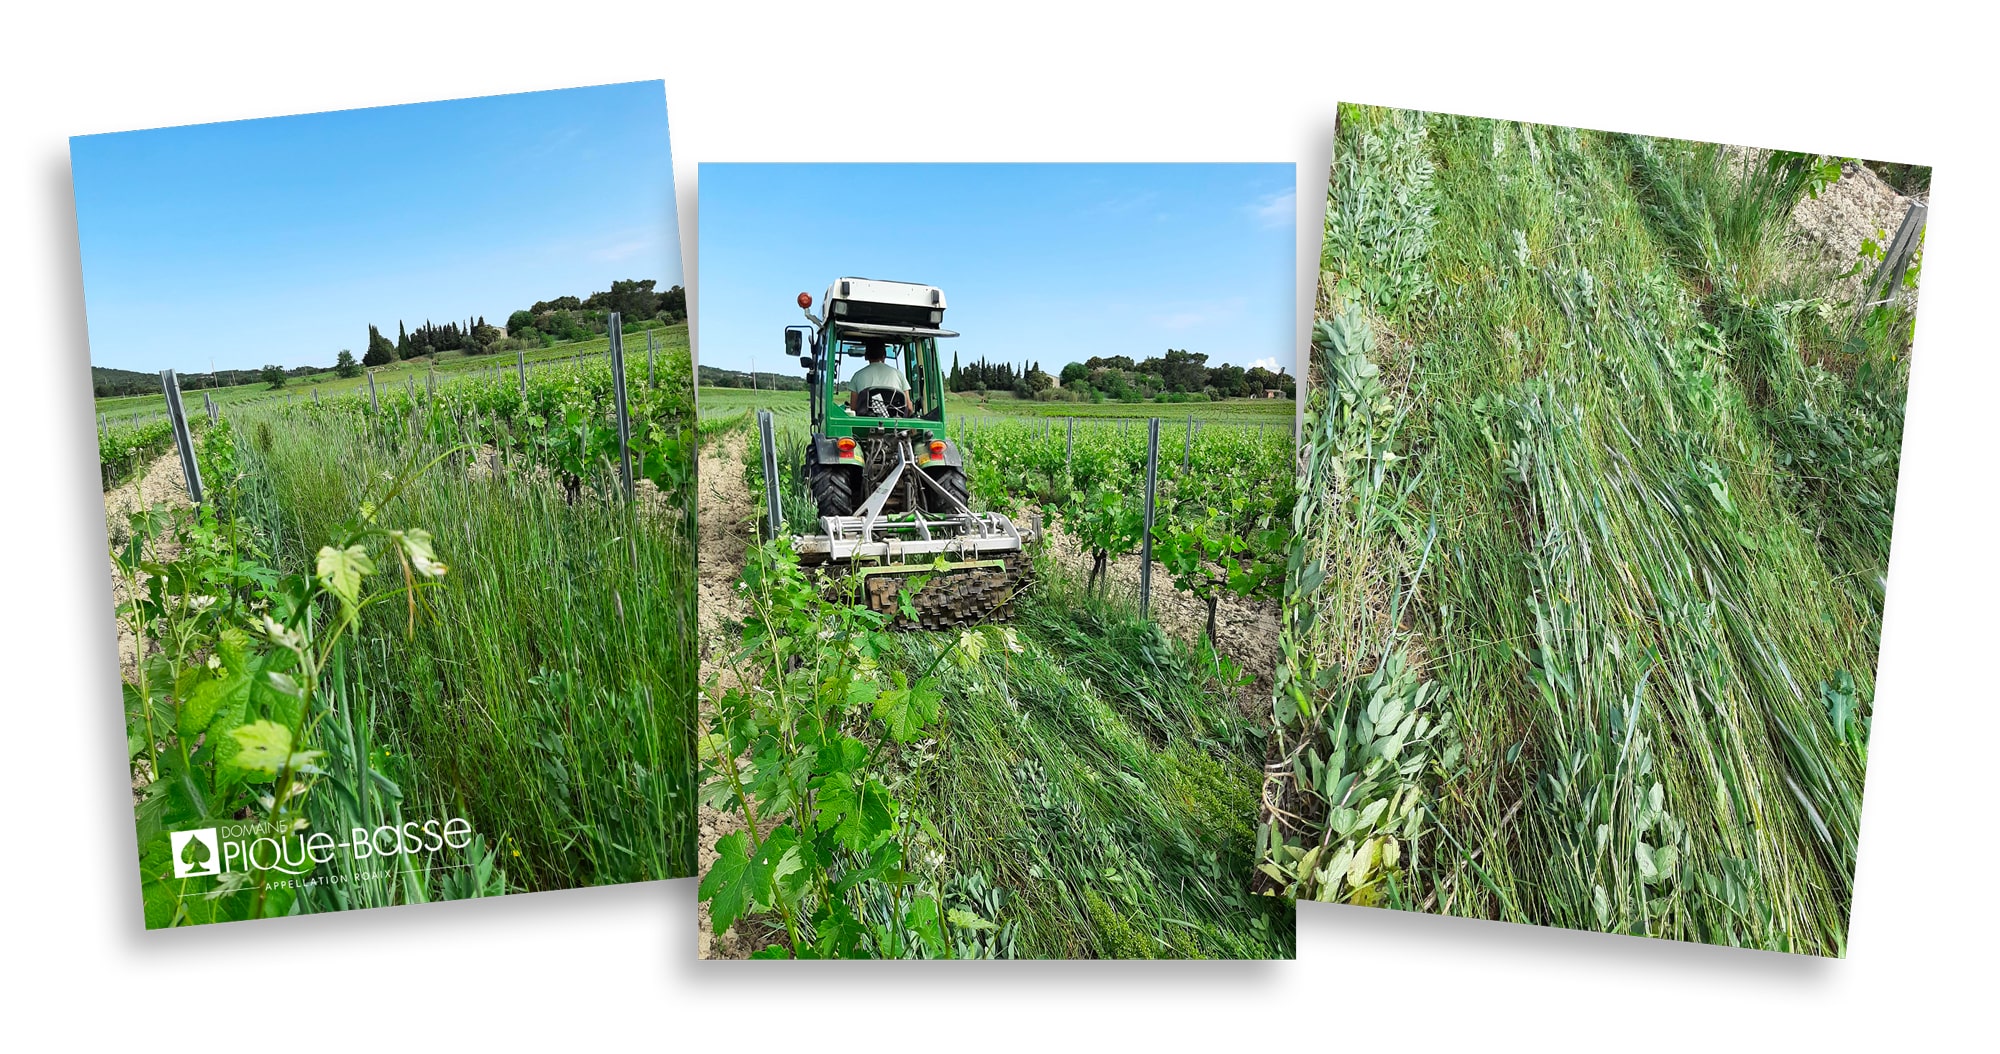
196 853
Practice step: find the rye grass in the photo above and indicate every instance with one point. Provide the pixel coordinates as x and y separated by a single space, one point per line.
546 690
1104 782
1588 510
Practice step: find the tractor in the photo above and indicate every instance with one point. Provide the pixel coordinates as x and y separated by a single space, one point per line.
887 479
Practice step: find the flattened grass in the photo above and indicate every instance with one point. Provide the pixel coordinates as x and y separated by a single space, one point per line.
1644 614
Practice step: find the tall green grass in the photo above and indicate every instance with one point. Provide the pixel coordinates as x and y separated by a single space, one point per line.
545 691
1584 514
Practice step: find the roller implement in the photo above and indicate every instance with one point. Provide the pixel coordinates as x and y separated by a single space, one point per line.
887 479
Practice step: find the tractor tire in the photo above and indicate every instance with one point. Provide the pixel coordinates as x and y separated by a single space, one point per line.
953 481
836 489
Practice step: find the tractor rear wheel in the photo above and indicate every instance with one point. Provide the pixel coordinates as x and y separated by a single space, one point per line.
953 482
836 489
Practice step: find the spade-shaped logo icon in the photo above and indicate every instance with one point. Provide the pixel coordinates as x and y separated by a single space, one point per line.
196 853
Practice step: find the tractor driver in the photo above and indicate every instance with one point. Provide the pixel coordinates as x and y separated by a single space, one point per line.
879 373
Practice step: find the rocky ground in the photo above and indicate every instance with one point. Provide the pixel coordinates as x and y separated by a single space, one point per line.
1828 230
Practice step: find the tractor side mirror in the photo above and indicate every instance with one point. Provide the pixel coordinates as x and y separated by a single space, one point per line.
798 344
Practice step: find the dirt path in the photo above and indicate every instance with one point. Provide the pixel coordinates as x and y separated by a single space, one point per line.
726 519
162 483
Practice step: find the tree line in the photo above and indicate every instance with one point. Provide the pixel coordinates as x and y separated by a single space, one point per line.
717 377
545 323
1178 372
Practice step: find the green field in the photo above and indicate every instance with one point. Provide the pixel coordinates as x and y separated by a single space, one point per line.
790 408
449 366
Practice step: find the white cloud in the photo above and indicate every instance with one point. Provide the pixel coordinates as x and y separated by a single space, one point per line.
1268 362
1275 210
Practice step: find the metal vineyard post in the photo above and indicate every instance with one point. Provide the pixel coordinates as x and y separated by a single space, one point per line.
772 521
373 403
1146 541
171 385
616 352
1894 263
521 367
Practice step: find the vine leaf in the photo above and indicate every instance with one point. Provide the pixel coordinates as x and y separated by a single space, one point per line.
734 885
343 569
859 821
906 709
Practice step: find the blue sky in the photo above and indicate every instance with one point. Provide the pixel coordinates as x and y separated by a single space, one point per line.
279 240
1046 262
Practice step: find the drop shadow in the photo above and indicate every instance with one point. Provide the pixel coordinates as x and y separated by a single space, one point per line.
1507 947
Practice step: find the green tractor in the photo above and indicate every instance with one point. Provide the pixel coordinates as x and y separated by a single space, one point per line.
887 479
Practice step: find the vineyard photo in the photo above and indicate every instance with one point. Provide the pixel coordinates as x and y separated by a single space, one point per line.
1593 533
413 624
949 708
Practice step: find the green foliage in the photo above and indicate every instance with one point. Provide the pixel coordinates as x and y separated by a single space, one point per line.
379 351
524 698
231 685
1058 789
124 450
800 753
1604 528
1379 213
1207 558
1106 523
314 655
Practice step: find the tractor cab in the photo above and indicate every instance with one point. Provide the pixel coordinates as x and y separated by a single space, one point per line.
887 480
872 362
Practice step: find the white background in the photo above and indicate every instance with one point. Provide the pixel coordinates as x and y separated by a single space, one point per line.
1237 81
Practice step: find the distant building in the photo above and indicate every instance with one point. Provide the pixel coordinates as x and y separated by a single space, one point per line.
1273 393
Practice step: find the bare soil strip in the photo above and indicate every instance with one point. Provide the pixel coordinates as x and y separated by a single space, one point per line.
726 526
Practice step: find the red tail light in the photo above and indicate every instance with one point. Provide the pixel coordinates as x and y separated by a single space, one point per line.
937 448
845 446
